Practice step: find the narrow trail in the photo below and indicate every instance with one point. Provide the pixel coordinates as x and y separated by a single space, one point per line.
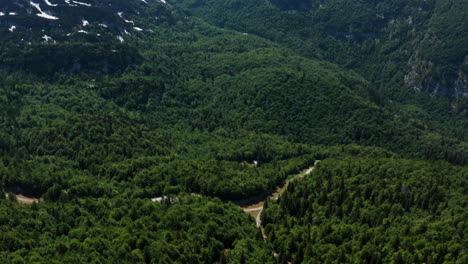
256 209
253 209
254 205
24 200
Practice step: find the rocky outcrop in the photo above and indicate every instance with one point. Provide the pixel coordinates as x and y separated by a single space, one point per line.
425 75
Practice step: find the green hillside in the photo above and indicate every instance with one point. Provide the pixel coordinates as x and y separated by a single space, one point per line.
200 103
407 50
358 210
193 101
417 43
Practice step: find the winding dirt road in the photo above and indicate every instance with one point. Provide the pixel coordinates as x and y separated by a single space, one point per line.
253 209
254 206
256 209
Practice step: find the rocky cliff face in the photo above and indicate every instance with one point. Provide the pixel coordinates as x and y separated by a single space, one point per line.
426 76
439 60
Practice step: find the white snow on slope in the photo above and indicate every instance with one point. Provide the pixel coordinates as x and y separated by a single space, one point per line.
81 3
42 13
120 14
49 3
12 28
46 38
69 2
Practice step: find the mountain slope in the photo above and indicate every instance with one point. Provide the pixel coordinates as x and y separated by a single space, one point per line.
356 210
89 36
198 101
125 131
421 42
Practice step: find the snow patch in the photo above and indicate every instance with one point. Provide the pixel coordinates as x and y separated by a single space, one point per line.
2 14
49 3
120 14
69 3
46 16
42 13
84 23
12 28
46 38
137 29
120 38
81 3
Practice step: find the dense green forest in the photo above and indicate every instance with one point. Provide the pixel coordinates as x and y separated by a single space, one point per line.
367 210
203 103
200 122
123 230
399 46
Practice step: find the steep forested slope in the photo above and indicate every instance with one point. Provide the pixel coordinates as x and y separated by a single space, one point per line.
402 47
421 42
119 101
219 91
373 211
